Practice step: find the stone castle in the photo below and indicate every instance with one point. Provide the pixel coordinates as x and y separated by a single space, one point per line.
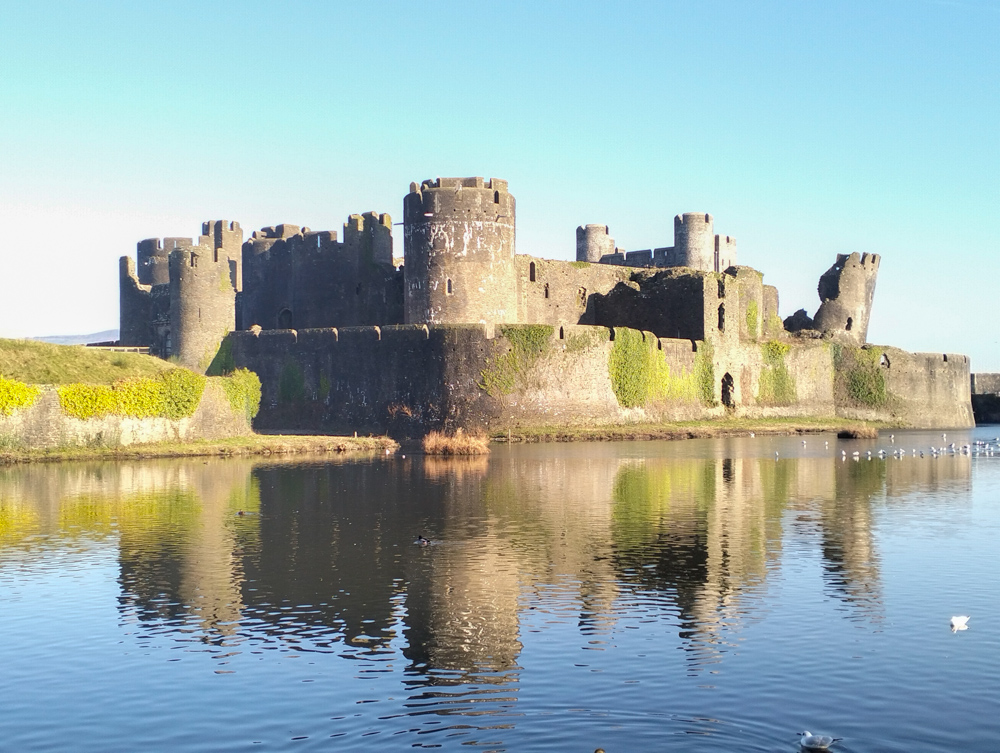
466 332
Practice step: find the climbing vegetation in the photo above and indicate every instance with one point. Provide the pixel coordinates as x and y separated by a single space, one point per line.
172 394
776 386
753 315
15 395
860 376
505 372
242 387
640 374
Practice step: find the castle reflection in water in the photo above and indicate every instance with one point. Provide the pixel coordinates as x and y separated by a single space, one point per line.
320 557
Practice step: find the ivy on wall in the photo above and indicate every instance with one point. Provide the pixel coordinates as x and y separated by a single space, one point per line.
776 386
173 394
242 388
505 372
859 375
640 374
753 315
15 395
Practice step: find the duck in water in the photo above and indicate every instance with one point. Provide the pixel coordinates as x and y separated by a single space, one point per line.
421 541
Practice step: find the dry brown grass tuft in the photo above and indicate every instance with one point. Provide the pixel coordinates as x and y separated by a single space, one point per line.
459 443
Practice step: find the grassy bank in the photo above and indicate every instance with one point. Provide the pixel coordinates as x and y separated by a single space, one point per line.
44 363
258 444
735 427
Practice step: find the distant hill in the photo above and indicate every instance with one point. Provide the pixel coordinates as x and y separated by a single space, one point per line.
98 337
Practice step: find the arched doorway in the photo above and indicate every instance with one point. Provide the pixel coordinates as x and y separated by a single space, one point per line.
285 319
728 388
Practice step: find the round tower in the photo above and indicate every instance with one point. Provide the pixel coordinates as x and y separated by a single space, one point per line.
694 241
458 252
153 256
593 242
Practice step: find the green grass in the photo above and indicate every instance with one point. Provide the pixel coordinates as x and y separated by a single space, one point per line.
721 427
44 363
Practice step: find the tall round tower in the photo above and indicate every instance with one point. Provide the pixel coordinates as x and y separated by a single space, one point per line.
458 252
593 242
694 241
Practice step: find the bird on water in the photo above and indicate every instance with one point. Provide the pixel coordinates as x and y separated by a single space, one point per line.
809 741
421 541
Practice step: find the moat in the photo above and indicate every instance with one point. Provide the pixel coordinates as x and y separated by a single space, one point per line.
700 595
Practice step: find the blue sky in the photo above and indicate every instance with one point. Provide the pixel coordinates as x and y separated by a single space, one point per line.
807 129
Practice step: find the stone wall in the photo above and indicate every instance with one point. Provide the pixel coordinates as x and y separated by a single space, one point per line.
298 278
409 379
561 292
986 398
44 425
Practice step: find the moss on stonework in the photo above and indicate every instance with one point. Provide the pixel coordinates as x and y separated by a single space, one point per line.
774 326
223 362
859 375
291 383
776 386
580 264
640 374
704 367
753 314
505 372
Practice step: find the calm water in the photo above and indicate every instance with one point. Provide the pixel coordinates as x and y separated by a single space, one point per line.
684 596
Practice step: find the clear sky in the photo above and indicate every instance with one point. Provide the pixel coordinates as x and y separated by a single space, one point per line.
807 129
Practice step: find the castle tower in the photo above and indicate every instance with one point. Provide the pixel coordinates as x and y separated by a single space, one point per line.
458 250
847 290
371 234
153 256
202 303
694 241
226 238
593 242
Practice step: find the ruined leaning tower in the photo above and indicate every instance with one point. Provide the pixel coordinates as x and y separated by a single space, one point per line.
458 250
847 290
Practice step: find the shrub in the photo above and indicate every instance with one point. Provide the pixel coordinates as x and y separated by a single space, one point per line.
173 394
15 395
243 390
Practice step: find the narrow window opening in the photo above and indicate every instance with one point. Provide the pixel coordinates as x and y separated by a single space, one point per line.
946 358
850 323
285 319
496 197
531 272
449 286
194 260
546 290
722 317
728 387
722 289
562 335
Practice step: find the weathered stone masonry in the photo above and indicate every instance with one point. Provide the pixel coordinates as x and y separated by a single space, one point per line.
467 333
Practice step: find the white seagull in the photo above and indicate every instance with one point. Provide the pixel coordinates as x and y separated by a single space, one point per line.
959 622
810 741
